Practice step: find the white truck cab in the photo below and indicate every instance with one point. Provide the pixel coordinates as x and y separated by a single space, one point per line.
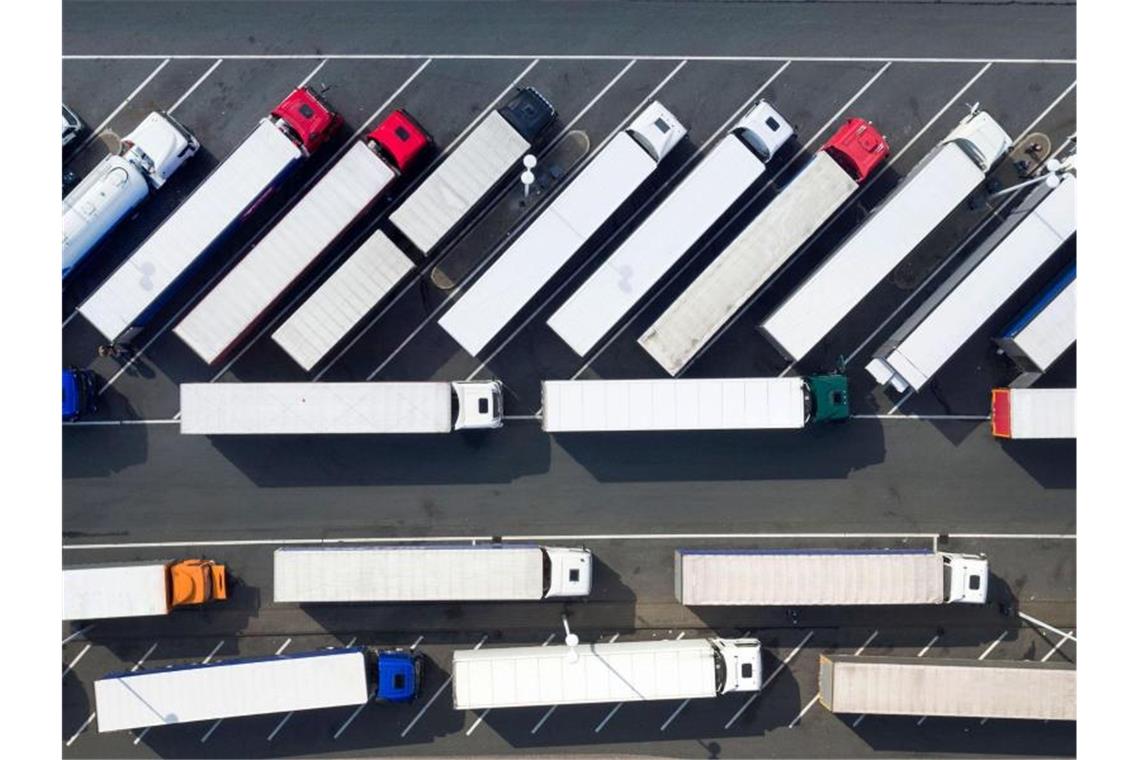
764 130
479 404
967 578
981 137
158 146
656 130
570 571
741 658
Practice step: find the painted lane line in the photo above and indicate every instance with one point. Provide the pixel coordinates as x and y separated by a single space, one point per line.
78 633
313 73
193 87
78 731
559 57
281 725
783 664
103 125
143 659
281 648
416 643
116 423
985 654
1046 626
494 102
1057 646
570 125
75 662
681 706
925 649
1045 113
923 417
610 714
351 718
218 722
815 699
550 712
210 732
902 400
483 714
434 697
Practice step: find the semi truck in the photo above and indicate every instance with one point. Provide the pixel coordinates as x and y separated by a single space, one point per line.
473 169
690 210
562 228
978 287
278 261
121 307
802 577
138 589
738 403
339 408
631 671
430 573
1034 412
1045 329
934 188
950 688
769 241
255 686
147 157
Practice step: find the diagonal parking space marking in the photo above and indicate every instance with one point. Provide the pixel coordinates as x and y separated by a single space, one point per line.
617 707
550 712
809 705
769 679
313 73
80 632
434 697
75 662
985 653
1045 113
126 101
1042 624
483 714
206 736
209 657
193 87
921 653
1067 637
80 730
566 57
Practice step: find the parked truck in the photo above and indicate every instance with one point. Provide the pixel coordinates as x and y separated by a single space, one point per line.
1045 329
1034 412
255 686
631 671
952 688
754 257
138 589
473 169
147 157
280 259
979 287
738 403
430 573
121 307
934 188
704 196
802 577
336 408
559 231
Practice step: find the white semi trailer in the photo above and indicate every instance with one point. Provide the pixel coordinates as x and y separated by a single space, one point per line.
982 283
738 403
691 209
339 408
1042 332
941 181
147 157
802 577
754 257
429 573
1023 689
630 671
1034 413
560 230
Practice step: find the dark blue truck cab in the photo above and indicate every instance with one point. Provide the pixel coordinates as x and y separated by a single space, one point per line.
399 675
78 393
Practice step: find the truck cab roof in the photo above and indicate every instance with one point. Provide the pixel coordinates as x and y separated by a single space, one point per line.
309 117
981 137
529 113
656 130
401 139
858 147
763 129
480 404
398 676
158 146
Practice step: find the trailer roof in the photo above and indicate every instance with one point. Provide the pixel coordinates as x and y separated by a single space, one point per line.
1052 330
126 590
1035 412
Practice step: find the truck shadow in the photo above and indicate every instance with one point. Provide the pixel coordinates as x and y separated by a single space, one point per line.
967 736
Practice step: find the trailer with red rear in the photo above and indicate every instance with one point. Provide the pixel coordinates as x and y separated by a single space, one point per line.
703 310
1034 413
137 290
279 260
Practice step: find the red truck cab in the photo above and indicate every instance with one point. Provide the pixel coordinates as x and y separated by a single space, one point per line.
399 139
309 120
858 147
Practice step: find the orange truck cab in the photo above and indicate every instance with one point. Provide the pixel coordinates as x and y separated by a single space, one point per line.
196 581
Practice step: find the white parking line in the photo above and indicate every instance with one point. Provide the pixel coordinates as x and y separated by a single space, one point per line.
1046 626
213 651
210 732
312 73
143 659
281 725
103 125
483 714
550 712
771 677
1057 646
434 697
922 653
218 722
194 86
78 633
986 654
1045 113
281 648
75 662
78 731
564 57
815 699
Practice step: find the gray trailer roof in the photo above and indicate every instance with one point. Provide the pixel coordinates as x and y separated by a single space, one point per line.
115 591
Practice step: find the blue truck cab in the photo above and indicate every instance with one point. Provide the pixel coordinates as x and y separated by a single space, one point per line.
78 393
398 676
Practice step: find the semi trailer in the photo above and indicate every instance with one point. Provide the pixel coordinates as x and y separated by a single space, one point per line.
769 241
941 182
738 403
1034 412
255 686
294 245
339 408
803 577
138 589
146 159
951 688
562 228
630 671
980 286
473 169
1045 329
121 307
705 195
430 573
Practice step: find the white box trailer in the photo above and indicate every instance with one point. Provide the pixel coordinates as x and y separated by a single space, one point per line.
703 196
941 181
736 403
278 261
560 230
808 577
339 408
230 689
951 688
1046 329
985 280
123 304
832 176
631 671
472 170
341 301
429 573
1034 412
138 589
